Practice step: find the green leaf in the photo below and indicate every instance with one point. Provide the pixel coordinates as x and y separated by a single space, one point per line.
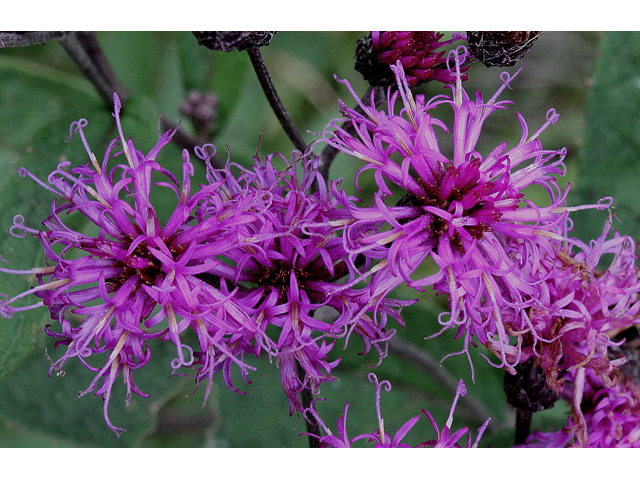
35 125
52 406
609 163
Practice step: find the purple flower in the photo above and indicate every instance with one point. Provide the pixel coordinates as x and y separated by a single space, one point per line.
134 279
245 263
460 211
569 324
604 416
285 275
382 439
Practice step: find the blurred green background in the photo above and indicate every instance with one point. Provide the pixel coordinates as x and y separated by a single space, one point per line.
42 92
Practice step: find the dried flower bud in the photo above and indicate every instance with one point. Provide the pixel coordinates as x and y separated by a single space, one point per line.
23 39
500 49
228 41
202 109
528 390
415 50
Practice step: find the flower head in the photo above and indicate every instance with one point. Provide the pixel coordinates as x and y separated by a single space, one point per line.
461 210
420 54
581 302
286 273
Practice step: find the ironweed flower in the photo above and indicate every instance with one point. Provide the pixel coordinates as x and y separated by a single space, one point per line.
420 54
605 414
381 439
570 323
135 279
459 210
287 271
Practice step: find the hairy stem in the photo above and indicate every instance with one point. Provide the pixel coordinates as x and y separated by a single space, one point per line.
274 100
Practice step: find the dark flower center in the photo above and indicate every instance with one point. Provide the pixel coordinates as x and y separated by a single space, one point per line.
278 275
143 264
456 186
147 274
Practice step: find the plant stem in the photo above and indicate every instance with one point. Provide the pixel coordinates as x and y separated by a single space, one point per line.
85 51
274 100
306 397
523 425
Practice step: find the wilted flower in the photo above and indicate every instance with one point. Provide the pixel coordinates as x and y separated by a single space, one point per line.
461 211
229 41
382 439
500 49
202 109
580 303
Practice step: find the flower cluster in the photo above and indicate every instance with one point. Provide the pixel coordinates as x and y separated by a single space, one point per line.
244 256
273 259
382 439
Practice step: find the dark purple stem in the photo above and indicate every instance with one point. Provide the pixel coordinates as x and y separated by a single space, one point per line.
523 426
274 100
306 397
85 51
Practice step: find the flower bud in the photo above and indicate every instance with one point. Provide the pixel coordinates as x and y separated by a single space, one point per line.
500 49
415 50
202 109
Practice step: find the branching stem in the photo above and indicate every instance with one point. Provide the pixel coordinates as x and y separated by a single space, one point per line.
85 51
